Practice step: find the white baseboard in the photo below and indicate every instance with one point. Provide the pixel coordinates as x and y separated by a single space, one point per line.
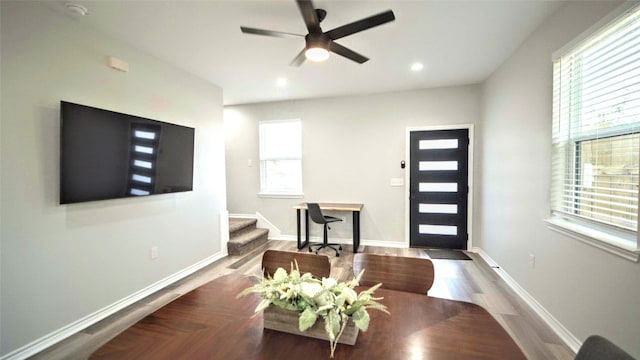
344 241
266 224
276 234
243 216
393 244
54 337
555 325
223 219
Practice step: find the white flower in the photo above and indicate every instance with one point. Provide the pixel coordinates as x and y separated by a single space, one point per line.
280 274
310 289
350 295
328 283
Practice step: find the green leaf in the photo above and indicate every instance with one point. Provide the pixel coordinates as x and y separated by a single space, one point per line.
307 319
332 324
263 305
324 298
361 319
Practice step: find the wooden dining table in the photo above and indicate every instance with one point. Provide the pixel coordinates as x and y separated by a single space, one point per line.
211 323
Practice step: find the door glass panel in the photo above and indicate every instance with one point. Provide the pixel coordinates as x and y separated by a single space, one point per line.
145 134
438 229
144 149
138 192
143 163
438 187
141 178
438 165
438 144
438 208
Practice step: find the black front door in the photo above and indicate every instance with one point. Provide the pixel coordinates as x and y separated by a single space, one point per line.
439 188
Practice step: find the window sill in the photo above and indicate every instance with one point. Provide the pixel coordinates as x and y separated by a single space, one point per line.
604 241
280 196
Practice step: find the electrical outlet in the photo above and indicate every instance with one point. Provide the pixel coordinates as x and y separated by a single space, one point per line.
154 252
532 261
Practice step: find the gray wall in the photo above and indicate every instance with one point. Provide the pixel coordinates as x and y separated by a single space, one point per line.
588 290
352 147
62 263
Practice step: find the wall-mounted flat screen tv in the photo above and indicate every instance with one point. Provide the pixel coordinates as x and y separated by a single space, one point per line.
108 155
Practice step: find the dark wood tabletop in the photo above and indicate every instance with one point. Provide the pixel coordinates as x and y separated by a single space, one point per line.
210 323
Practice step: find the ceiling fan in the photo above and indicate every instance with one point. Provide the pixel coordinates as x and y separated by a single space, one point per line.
318 42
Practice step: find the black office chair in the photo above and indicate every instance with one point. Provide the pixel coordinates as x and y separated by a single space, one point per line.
319 218
598 348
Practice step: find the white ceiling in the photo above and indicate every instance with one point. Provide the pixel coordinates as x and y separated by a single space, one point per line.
459 42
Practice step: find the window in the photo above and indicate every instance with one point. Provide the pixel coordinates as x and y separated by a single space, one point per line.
596 131
281 157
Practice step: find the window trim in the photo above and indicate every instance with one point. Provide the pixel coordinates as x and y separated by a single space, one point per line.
610 239
270 193
608 242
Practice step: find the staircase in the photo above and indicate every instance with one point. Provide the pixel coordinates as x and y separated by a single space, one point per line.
244 236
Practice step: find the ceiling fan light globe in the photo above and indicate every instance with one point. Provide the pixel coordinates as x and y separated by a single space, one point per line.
316 54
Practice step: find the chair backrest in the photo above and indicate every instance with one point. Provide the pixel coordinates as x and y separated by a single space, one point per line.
315 213
318 265
395 272
596 348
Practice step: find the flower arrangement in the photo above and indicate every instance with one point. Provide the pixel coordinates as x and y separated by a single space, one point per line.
334 302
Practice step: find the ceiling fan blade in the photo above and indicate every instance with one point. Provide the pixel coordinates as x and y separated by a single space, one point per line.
348 53
248 30
298 60
310 17
360 25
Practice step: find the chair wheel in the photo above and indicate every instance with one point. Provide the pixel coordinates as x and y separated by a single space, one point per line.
340 247
310 249
337 254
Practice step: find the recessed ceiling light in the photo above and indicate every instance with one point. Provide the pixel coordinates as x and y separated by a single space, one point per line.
281 82
417 66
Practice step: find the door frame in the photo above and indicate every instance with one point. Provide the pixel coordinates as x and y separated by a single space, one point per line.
407 178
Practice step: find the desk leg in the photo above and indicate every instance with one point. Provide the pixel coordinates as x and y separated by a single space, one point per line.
300 244
306 226
298 228
356 231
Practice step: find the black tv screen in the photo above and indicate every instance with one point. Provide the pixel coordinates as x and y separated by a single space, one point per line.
108 155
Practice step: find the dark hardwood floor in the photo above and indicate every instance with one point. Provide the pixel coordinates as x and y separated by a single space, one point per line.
473 281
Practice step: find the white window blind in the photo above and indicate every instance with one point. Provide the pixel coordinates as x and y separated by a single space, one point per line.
281 157
596 127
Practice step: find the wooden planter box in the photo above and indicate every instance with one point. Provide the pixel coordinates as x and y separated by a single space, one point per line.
280 319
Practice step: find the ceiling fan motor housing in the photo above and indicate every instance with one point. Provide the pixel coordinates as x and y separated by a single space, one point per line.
321 14
317 41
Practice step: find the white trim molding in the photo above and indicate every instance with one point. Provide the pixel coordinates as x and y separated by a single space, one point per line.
264 223
555 325
274 231
56 336
344 241
604 241
224 231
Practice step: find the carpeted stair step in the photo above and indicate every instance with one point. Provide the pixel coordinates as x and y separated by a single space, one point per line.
238 225
247 240
244 236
